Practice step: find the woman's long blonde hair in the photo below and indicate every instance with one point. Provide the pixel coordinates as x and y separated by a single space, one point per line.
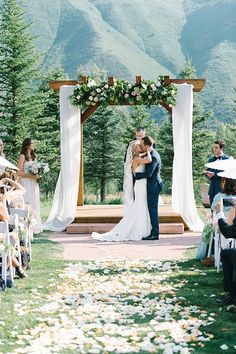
133 145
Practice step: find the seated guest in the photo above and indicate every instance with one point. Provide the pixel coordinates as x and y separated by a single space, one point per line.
228 255
4 216
15 191
228 187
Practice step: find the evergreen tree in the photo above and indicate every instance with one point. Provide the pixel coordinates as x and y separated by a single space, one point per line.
166 151
103 149
139 117
18 67
227 132
47 129
201 138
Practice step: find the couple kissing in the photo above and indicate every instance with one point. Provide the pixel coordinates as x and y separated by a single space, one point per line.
140 221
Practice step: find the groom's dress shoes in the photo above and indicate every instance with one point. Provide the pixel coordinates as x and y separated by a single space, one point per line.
150 238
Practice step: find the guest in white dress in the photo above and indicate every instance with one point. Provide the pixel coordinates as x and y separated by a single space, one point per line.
30 181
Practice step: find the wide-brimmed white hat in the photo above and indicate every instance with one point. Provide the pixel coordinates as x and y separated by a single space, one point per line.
222 165
228 174
5 163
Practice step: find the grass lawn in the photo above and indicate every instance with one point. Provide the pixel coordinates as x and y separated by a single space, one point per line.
114 307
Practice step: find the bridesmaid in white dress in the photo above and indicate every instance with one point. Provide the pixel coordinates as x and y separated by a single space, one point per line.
30 181
136 223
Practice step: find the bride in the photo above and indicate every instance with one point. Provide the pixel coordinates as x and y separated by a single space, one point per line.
136 222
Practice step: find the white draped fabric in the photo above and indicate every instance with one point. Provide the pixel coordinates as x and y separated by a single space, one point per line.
183 200
65 197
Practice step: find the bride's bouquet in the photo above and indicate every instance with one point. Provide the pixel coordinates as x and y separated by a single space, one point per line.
37 168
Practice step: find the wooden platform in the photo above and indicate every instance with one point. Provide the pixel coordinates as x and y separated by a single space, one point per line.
101 218
85 228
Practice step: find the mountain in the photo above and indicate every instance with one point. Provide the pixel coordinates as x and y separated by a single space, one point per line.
143 37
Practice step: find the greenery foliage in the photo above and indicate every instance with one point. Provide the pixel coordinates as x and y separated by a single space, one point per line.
201 140
123 92
227 132
46 131
139 117
103 150
18 68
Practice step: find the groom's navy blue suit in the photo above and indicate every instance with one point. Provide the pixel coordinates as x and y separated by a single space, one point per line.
154 186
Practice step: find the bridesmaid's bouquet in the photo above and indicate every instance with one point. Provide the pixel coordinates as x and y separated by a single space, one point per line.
37 168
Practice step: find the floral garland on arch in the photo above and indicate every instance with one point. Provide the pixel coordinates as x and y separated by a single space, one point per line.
123 93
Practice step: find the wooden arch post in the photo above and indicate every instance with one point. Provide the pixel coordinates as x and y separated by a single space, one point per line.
198 85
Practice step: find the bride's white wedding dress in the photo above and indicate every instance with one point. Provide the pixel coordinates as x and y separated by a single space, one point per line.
136 223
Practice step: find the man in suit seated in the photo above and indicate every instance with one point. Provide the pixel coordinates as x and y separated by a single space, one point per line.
228 255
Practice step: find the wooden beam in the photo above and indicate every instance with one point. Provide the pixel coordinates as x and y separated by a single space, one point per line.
111 81
89 111
80 198
55 85
198 84
166 106
138 80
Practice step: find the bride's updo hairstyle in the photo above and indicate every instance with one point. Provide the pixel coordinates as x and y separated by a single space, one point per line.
133 146
24 150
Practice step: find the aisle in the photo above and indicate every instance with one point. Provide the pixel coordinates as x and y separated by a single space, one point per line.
83 247
117 307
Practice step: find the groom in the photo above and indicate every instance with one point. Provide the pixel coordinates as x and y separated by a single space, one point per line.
154 185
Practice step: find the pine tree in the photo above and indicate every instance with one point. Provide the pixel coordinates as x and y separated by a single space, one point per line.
18 69
166 151
47 129
103 149
201 138
227 132
139 117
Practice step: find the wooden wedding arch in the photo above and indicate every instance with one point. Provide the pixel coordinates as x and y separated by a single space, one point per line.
198 85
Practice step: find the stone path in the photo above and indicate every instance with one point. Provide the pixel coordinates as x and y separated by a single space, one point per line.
82 247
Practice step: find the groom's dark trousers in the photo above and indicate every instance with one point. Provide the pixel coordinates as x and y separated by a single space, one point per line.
154 186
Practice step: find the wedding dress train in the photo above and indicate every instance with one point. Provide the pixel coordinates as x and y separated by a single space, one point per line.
136 223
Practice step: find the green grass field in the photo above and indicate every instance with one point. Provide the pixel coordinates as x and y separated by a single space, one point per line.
22 320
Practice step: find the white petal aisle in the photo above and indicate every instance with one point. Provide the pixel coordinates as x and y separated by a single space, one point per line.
115 307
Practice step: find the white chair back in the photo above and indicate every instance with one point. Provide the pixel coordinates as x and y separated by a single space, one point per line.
24 213
6 255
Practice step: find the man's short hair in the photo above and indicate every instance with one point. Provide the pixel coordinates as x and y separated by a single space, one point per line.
147 140
221 143
140 129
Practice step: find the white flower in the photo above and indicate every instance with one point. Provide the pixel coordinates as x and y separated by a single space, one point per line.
91 83
106 87
95 99
98 90
133 93
91 98
126 95
154 88
129 86
78 97
224 347
149 97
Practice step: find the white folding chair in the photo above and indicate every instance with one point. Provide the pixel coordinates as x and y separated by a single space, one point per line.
221 243
24 214
14 221
6 254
